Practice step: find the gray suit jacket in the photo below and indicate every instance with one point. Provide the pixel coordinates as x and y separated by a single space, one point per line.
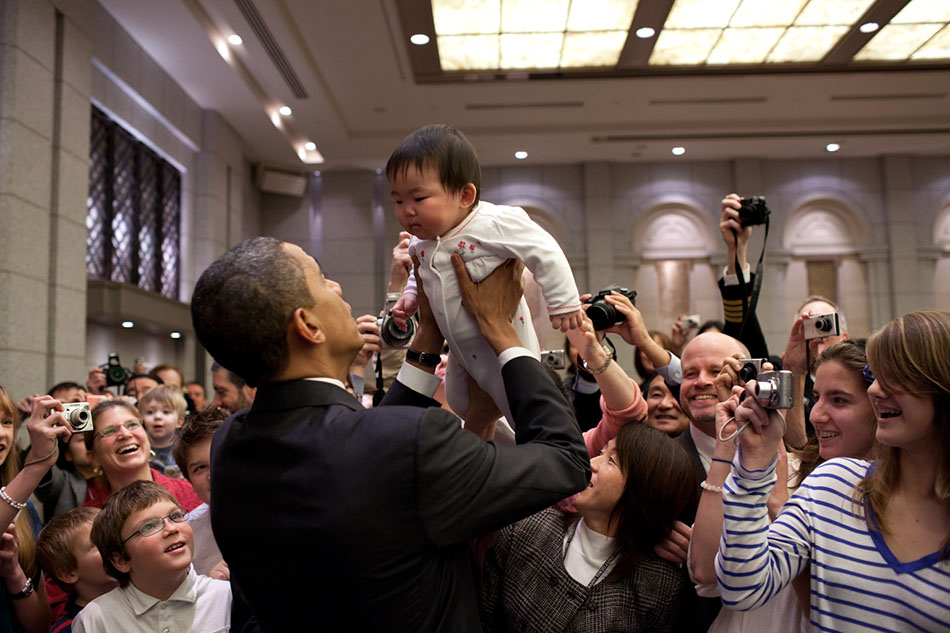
337 518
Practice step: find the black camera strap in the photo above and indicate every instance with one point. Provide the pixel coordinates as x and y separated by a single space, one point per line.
379 393
750 302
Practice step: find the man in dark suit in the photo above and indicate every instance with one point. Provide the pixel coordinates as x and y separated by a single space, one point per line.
337 518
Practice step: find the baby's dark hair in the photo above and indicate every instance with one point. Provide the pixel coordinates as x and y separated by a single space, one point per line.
443 148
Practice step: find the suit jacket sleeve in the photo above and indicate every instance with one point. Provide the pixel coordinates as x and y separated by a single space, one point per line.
751 335
467 487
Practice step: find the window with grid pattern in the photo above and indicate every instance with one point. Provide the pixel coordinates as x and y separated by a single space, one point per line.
134 211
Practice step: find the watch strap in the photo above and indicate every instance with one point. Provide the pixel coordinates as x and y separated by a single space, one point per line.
23 593
421 358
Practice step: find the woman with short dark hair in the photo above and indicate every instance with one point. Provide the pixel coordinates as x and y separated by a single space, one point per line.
596 570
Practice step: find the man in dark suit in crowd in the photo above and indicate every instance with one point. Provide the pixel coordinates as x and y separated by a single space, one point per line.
337 518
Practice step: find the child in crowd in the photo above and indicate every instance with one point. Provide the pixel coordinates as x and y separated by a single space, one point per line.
163 411
71 562
192 451
435 180
146 544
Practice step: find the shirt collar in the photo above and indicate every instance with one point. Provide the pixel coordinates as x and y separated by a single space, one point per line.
141 602
329 381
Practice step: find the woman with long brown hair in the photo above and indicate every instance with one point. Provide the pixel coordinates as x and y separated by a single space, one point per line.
875 536
23 603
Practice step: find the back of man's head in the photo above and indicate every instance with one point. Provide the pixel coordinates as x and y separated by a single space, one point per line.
242 306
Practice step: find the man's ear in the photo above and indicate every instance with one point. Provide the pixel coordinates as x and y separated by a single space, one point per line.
307 327
67 576
467 195
121 563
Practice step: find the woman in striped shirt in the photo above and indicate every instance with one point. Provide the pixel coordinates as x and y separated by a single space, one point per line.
875 536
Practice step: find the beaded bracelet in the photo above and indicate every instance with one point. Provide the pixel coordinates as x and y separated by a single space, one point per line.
599 370
10 501
710 487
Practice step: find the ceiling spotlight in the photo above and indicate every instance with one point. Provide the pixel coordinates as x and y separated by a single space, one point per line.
869 27
832 147
678 150
128 325
235 39
521 154
175 335
419 39
645 32
310 146
285 110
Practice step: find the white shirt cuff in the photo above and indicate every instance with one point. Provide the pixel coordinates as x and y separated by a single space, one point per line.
418 380
733 280
514 352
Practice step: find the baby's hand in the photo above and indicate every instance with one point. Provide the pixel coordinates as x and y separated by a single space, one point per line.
405 307
568 321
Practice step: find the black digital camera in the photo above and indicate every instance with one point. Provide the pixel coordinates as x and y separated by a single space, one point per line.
116 374
753 211
601 314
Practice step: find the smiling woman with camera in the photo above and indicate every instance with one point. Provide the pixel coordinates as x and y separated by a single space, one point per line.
23 602
120 445
875 536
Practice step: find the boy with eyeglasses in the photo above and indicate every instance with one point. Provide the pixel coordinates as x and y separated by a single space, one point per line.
146 544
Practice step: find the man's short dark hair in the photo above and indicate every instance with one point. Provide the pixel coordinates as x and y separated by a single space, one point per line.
443 148
65 385
242 306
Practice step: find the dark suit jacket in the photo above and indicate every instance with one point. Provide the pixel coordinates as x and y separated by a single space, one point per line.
337 518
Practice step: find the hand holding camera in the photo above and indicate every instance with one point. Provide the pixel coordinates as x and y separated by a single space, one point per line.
47 423
604 313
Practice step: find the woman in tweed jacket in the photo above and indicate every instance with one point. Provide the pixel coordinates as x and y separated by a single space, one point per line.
596 570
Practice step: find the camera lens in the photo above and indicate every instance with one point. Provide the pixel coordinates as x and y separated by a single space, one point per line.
393 335
78 418
765 392
748 372
823 325
116 374
602 315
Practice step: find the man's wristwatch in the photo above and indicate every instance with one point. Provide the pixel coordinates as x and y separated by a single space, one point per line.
26 591
426 360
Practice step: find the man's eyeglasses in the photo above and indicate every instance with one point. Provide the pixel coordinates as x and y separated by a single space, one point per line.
154 526
130 426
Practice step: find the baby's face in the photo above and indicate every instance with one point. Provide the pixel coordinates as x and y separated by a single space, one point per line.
423 206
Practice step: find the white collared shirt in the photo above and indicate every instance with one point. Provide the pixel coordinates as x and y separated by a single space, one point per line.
200 604
705 445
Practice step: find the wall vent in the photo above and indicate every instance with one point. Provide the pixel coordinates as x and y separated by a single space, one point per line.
287 183
257 24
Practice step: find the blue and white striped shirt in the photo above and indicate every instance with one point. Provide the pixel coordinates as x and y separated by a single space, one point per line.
857 584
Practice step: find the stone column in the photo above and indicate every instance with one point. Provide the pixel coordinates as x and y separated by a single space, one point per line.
45 65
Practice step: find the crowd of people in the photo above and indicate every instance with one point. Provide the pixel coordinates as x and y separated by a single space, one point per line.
719 488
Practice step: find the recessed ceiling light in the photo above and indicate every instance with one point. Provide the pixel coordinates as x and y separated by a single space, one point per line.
285 110
521 154
832 147
128 324
678 150
645 32
175 335
869 27
310 146
235 39
419 39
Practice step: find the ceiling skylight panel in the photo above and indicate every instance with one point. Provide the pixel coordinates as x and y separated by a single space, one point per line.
683 46
531 50
601 15
744 46
592 49
897 41
761 13
937 48
806 43
697 14
832 12
922 11
534 16
468 52
458 17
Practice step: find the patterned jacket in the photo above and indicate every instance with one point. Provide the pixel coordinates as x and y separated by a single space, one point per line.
526 587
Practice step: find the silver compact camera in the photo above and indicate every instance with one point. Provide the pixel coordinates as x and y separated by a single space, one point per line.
79 416
750 368
691 322
554 359
775 389
821 326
